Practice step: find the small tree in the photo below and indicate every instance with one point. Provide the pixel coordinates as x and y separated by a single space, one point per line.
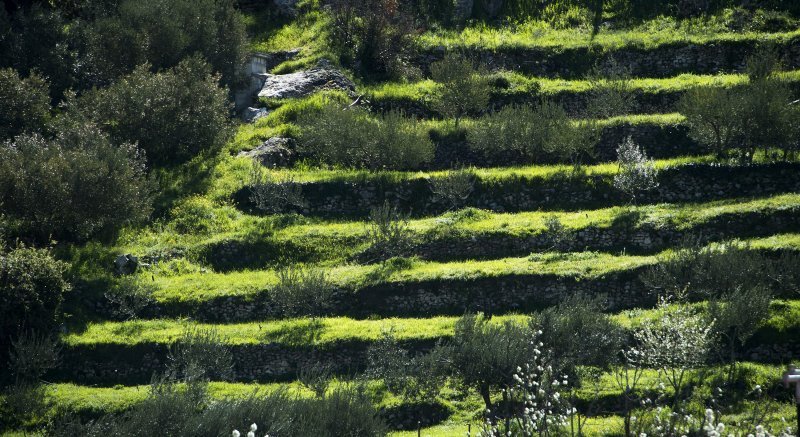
271 195
576 332
712 116
573 141
463 89
130 296
389 233
162 34
611 91
374 35
636 172
679 341
351 137
417 378
302 292
199 356
737 315
454 188
522 130
486 356
32 288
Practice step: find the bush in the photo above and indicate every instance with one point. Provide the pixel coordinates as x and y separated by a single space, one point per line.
576 332
350 137
173 115
199 356
302 292
24 104
538 133
463 89
737 122
73 187
32 288
199 215
130 296
373 35
636 172
417 378
454 188
737 315
162 33
611 93
40 40
389 234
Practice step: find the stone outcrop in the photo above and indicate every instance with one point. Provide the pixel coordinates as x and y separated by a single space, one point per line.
273 153
303 83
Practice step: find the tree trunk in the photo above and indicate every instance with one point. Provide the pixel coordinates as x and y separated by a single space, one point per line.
486 395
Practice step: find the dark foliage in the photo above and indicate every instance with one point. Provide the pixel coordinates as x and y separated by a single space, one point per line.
73 187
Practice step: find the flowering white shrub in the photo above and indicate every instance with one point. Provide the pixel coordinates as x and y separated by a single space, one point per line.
546 411
636 172
251 433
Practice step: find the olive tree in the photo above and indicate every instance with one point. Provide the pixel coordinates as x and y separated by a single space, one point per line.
485 355
173 115
463 88
75 186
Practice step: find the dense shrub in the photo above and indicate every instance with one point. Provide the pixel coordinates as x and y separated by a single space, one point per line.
302 292
24 104
162 33
373 35
274 195
351 137
74 186
199 215
540 133
173 115
32 288
712 272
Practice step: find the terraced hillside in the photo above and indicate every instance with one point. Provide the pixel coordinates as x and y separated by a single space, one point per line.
394 255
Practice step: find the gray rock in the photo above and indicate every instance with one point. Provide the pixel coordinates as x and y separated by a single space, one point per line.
250 115
126 264
275 152
303 83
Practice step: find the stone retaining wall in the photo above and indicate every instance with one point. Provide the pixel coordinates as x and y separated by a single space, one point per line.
662 61
114 364
685 183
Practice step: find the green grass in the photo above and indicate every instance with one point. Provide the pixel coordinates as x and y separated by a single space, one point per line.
346 238
521 84
785 318
538 35
96 401
197 285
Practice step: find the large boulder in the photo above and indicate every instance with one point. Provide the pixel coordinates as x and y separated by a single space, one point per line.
273 153
303 83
